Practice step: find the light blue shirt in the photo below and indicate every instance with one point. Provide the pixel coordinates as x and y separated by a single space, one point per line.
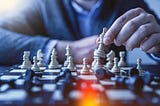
85 17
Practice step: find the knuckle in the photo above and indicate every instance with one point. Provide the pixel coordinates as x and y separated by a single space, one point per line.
143 29
122 19
150 16
138 9
132 25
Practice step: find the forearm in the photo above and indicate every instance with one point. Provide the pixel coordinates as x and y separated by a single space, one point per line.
13 44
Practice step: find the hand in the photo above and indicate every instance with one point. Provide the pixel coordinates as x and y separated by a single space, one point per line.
135 28
79 49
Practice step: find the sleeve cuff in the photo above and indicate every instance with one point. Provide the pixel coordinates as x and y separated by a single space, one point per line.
155 57
48 50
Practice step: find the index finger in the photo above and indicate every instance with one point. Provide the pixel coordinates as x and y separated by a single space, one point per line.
115 28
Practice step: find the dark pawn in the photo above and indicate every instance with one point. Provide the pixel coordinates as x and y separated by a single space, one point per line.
133 72
103 74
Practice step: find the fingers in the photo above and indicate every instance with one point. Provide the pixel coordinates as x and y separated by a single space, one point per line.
140 35
152 44
130 27
119 23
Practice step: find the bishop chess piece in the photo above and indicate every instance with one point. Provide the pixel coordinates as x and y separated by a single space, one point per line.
40 58
116 69
71 66
122 62
85 69
35 65
110 58
139 67
54 63
26 62
68 54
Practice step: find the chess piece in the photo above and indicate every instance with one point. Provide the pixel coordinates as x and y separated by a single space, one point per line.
35 66
70 64
122 62
68 53
40 58
97 64
101 74
54 63
94 59
85 69
139 63
115 69
26 62
100 51
110 57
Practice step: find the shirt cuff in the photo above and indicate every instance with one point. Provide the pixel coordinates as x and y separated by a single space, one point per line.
155 57
48 50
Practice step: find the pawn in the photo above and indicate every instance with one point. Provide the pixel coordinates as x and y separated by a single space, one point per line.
54 63
122 62
70 64
139 67
115 69
26 62
35 66
85 69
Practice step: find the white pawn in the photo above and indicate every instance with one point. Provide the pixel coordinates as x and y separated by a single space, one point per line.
116 69
122 62
139 67
35 66
70 64
85 69
54 63
26 62
110 58
68 53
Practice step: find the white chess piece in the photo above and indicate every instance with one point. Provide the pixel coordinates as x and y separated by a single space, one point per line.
26 62
110 58
116 69
68 53
41 62
139 67
97 64
109 64
70 64
35 66
122 62
53 63
85 69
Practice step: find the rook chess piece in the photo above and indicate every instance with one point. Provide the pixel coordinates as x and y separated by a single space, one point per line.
26 62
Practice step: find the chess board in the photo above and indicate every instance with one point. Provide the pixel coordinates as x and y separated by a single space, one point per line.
87 90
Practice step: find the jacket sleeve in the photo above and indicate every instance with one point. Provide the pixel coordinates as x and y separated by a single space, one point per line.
18 24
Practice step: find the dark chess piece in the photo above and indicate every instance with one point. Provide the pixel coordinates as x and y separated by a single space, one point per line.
103 74
134 83
133 72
